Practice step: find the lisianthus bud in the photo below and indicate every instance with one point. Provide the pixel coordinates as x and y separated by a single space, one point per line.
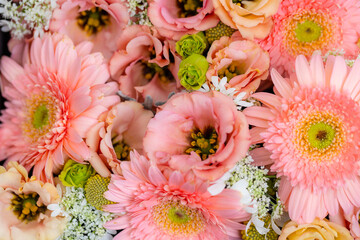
76 174
191 44
192 71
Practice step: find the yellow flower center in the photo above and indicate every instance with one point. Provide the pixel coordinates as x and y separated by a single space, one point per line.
26 207
320 135
307 31
94 191
122 150
233 70
178 220
188 8
164 73
204 143
40 115
93 21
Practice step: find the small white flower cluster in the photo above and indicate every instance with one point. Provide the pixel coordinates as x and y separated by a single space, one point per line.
257 183
220 86
26 16
84 221
138 9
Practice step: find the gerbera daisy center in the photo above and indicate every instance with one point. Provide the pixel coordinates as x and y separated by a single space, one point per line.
321 135
93 21
40 115
188 8
26 206
204 143
307 31
178 220
94 191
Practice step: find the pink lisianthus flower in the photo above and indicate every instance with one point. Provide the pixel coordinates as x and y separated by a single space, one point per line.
98 21
23 206
112 139
53 100
310 132
304 26
199 131
174 18
243 62
171 205
144 65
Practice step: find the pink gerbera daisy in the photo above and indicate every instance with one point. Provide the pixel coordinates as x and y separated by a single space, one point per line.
311 129
303 26
52 102
166 205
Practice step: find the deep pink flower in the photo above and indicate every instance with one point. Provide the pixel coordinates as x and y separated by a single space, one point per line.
53 100
98 21
172 20
144 65
171 205
199 131
303 26
310 128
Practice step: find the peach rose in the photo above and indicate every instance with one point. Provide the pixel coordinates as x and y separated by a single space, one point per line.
199 131
144 65
318 229
243 62
112 139
174 18
23 206
251 18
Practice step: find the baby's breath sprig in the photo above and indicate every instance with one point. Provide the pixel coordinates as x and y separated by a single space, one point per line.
26 17
138 12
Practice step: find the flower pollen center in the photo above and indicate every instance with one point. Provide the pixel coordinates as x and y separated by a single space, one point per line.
204 143
122 149
40 112
308 30
93 21
320 135
178 220
94 191
233 70
151 69
26 206
188 8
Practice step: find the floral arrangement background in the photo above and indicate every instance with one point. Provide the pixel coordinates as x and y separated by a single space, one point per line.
180 119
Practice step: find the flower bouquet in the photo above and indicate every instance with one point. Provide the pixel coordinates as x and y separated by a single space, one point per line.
180 119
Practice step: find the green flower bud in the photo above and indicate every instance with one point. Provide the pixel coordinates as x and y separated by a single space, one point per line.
76 174
192 71
191 44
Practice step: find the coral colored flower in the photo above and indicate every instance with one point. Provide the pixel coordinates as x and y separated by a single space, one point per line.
243 62
318 229
174 18
145 66
303 26
23 206
52 102
310 128
112 139
199 131
171 205
251 18
98 21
